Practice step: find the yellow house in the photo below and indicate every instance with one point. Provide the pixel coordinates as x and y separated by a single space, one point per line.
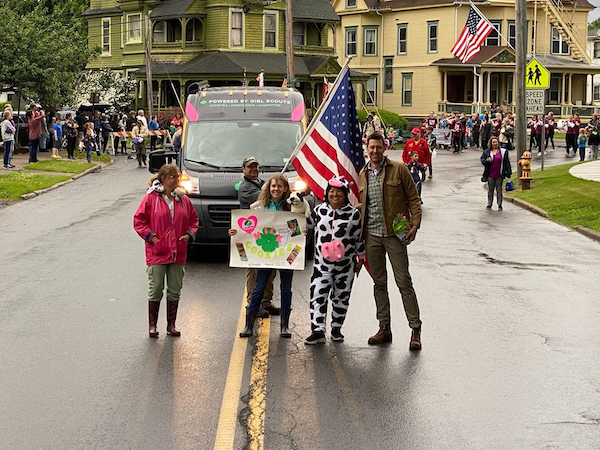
406 47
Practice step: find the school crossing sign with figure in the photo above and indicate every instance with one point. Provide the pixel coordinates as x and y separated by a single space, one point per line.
537 80
536 76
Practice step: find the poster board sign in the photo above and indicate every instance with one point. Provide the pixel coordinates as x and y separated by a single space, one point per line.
443 136
267 239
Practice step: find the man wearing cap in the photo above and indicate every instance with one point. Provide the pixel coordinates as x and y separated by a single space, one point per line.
248 193
419 145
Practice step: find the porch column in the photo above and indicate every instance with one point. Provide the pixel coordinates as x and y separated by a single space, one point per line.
480 91
570 92
563 88
489 86
474 88
182 92
445 89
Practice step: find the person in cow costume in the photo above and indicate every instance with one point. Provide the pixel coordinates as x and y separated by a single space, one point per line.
339 254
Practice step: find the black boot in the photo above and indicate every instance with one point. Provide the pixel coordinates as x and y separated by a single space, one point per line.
172 306
250 319
285 324
153 308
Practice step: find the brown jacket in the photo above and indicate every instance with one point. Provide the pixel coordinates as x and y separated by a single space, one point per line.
399 195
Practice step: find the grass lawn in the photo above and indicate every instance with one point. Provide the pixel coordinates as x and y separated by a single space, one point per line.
104 157
60 165
568 200
17 183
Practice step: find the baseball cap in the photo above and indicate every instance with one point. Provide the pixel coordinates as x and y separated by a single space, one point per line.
249 160
415 130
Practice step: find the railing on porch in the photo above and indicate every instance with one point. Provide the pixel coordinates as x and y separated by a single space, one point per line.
585 111
467 108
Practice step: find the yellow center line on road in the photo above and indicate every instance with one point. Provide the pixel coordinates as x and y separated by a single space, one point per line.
228 416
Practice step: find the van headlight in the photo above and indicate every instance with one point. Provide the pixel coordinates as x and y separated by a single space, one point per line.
297 184
190 184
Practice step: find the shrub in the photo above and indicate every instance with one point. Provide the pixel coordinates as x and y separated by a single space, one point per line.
389 118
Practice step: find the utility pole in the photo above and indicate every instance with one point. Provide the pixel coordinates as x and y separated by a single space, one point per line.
289 41
521 54
148 41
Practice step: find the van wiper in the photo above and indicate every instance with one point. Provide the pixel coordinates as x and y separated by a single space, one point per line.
271 167
202 163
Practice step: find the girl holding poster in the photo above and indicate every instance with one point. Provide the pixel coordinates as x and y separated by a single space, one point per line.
339 254
272 198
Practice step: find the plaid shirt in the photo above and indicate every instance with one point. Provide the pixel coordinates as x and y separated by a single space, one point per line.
375 222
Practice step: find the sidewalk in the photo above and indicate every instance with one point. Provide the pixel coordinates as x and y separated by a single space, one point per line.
588 171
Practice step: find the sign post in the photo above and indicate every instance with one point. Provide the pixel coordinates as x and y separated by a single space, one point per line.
537 80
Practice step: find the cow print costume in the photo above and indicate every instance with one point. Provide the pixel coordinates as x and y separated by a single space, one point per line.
335 277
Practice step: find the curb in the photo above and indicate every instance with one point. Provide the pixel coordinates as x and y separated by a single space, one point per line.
528 206
57 185
592 234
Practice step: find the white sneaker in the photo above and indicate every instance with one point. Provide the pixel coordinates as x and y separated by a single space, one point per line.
539 153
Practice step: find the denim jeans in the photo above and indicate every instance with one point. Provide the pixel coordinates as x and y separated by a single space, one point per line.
7 152
89 155
34 146
262 278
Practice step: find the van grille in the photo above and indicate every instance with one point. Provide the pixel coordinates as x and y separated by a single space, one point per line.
220 215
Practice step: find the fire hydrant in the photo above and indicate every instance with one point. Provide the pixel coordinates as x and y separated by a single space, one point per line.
525 163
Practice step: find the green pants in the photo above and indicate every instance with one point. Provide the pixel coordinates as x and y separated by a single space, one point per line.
377 248
156 281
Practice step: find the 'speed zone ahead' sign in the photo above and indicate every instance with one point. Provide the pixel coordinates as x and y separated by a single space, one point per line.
534 101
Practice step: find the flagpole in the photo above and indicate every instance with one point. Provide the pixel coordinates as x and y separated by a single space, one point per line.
480 14
313 123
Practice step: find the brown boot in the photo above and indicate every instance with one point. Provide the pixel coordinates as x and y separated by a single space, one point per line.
415 339
383 335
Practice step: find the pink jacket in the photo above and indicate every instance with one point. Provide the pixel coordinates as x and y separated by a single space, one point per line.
153 218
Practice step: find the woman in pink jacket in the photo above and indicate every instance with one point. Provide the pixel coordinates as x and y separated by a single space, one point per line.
167 221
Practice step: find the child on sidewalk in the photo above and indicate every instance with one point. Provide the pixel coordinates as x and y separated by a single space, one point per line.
417 171
581 141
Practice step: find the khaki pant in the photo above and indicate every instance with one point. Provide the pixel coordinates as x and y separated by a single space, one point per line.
377 248
250 280
156 281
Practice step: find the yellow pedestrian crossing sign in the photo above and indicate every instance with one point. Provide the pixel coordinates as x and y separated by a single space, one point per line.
536 76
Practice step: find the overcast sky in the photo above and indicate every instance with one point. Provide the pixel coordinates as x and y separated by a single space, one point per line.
593 15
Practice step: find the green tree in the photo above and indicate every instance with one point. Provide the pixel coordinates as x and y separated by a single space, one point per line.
113 87
44 48
594 24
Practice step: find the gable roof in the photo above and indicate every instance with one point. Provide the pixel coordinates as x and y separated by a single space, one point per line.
485 55
170 8
399 4
314 10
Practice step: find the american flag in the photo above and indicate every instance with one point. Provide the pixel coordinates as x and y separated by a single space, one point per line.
471 39
332 146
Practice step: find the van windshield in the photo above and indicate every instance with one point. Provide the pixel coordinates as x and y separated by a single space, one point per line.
224 145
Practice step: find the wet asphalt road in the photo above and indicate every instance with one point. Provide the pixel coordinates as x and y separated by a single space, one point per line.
509 304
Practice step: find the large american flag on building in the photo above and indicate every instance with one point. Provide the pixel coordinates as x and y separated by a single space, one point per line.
473 34
333 145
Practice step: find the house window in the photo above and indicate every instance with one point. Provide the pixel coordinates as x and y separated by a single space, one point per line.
167 31
350 41
494 86
106 36
494 37
512 34
370 42
597 93
559 46
388 74
299 33
270 30
554 91
350 3
237 20
532 43
193 30
402 38
134 28
596 49
432 35
407 89
371 91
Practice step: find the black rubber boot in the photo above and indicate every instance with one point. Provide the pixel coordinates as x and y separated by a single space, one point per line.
172 306
250 319
285 324
153 308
